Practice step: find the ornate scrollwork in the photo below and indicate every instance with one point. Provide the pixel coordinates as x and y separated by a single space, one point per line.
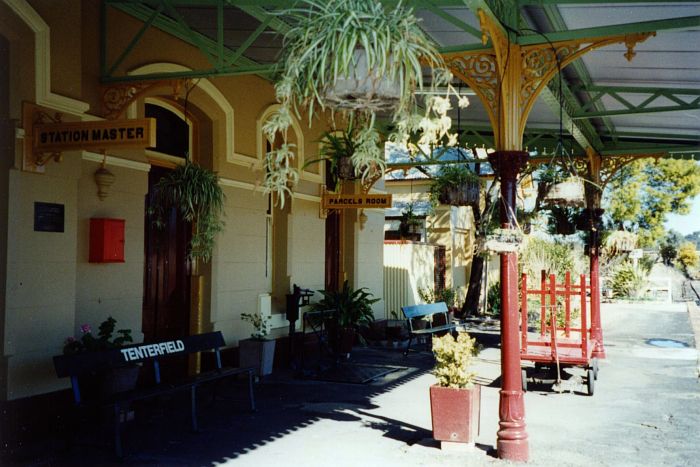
118 97
480 72
539 64
631 40
611 165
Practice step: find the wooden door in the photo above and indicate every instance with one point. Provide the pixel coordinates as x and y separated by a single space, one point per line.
166 302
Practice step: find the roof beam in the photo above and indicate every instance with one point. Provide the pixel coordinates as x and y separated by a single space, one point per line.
678 96
236 63
687 22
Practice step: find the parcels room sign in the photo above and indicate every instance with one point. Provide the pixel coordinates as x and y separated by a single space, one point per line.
333 201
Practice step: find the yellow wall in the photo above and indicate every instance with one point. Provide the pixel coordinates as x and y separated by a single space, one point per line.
51 287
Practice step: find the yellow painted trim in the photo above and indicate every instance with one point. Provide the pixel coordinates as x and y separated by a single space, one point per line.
115 161
213 92
42 62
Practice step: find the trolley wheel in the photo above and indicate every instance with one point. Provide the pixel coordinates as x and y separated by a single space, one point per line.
595 368
523 377
591 382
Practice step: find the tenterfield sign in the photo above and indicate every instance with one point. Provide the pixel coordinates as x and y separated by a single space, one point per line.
333 201
57 137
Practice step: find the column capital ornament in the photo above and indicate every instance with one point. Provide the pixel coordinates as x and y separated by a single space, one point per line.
507 164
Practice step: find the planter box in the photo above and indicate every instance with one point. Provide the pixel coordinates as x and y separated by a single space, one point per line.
363 88
567 193
259 354
455 413
467 194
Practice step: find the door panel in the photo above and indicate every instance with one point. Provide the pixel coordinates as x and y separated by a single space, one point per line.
166 304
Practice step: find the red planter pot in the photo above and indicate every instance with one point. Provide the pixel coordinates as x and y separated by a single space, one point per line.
455 413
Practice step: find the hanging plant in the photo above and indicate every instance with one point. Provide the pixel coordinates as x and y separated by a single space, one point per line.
503 240
337 56
569 192
195 193
456 185
338 147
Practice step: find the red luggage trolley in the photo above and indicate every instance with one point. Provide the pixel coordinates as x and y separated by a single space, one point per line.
557 346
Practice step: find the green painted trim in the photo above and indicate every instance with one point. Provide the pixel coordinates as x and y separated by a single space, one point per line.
642 109
248 42
244 65
640 90
429 6
263 15
579 2
261 70
600 32
651 149
135 40
557 23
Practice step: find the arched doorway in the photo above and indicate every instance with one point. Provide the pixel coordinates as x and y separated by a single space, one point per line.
166 302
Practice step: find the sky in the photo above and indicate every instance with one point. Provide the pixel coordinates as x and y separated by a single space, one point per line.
686 224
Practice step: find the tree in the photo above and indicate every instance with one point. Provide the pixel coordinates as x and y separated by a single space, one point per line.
668 247
688 257
645 191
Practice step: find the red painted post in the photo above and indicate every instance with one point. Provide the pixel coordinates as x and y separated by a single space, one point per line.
584 319
543 302
596 328
523 313
512 443
567 303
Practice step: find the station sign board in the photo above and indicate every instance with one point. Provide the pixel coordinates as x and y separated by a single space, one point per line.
368 201
57 137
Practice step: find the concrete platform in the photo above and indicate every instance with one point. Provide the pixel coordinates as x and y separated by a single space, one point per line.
646 411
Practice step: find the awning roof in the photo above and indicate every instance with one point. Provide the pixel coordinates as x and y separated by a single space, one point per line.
649 105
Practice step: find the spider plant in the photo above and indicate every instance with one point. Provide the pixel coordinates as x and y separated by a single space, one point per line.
321 48
195 193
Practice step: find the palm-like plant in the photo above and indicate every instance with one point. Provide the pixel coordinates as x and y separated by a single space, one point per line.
351 307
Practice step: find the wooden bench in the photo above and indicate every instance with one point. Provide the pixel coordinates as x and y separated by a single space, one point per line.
75 366
428 312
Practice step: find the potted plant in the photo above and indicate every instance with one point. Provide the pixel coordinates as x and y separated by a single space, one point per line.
441 294
351 308
410 224
557 187
455 401
337 147
503 240
259 350
111 381
357 58
195 193
456 185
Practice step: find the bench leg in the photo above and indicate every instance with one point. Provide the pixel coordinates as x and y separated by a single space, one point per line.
193 406
251 395
408 347
117 431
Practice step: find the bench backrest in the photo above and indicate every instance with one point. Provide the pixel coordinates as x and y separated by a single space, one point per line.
419 311
83 363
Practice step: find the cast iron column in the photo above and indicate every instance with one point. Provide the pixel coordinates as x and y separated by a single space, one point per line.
512 443
594 256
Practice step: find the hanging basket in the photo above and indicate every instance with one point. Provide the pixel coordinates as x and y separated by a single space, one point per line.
503 241
570 192
362 88
466 194
346 171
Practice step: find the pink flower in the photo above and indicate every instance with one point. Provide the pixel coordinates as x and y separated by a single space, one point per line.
85 328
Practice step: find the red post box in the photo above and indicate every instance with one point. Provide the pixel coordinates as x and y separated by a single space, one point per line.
106 240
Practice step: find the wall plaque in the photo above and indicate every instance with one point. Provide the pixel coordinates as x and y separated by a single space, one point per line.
48 217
